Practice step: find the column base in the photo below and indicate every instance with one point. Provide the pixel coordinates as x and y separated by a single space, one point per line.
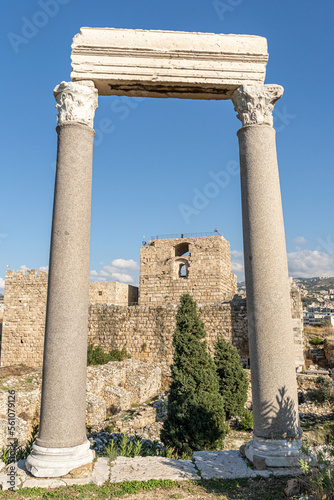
275 452
56 462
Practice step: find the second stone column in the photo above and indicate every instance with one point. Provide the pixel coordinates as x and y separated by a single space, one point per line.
276 437
62 444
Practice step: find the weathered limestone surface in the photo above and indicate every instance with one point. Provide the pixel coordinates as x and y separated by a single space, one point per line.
220 465
24 318
329 351
118 385
111 388
230 465
297 325
25 308
146 468
23 479
112 292
206 260
167 63
144 331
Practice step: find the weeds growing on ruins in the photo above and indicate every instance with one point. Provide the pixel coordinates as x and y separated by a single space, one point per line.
196 416
97 356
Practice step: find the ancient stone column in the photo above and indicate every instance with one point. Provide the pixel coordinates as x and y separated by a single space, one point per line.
62 444
276 437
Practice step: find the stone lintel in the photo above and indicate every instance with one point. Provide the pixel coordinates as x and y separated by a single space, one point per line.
168 63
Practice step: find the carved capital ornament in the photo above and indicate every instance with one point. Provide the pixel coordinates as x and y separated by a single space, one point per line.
255 103
75 103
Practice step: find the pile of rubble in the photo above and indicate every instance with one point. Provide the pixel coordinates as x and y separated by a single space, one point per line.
117 387
113 391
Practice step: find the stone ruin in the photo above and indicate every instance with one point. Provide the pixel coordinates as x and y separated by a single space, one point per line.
107 61
144 327
200 266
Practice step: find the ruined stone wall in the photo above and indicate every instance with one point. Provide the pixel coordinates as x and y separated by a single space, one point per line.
146 332
24 318
297 325
112 292
25 309
208 270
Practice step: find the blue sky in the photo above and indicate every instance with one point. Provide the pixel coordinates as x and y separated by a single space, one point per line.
160 152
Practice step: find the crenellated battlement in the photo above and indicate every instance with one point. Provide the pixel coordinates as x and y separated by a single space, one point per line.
25 272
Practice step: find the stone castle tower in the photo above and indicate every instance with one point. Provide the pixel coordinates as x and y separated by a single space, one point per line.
200 266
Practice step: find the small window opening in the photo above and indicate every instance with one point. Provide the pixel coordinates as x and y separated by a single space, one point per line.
183 271
100 293
182 250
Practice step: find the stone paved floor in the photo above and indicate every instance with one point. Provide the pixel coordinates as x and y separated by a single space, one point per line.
204 465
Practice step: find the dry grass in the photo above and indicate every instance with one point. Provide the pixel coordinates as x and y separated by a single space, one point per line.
318 331
15 371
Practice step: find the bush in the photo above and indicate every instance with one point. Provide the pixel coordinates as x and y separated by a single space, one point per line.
318 478
20 452
196 416
324 392
97 356
316 341
233 381
245 423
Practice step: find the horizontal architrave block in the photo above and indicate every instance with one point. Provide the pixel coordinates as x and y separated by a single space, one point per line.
167 63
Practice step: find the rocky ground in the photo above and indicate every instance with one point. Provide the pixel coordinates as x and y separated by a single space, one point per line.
136 405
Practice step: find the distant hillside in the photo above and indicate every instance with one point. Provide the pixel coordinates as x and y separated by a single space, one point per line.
315 284
311 284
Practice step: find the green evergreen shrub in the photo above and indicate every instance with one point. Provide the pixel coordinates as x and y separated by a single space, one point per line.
233 381
196 417
97 356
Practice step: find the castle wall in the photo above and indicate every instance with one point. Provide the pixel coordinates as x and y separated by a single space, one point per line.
24 318
112 292
25 309
209 278
297 324
145 331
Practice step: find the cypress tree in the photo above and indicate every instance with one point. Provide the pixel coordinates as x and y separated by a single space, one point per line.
233 381
196 417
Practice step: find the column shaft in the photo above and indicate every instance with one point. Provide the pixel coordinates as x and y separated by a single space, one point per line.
276 436
274 387
63 404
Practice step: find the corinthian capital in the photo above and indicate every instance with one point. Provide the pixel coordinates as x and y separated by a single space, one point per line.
75 103
255 103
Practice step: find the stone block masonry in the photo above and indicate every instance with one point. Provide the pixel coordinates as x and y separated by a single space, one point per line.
112 292
200 266
24 318
145 330
297 324
25 308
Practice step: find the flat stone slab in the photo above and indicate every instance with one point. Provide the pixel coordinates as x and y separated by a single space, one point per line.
23 478
146 468
231 465
153 63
